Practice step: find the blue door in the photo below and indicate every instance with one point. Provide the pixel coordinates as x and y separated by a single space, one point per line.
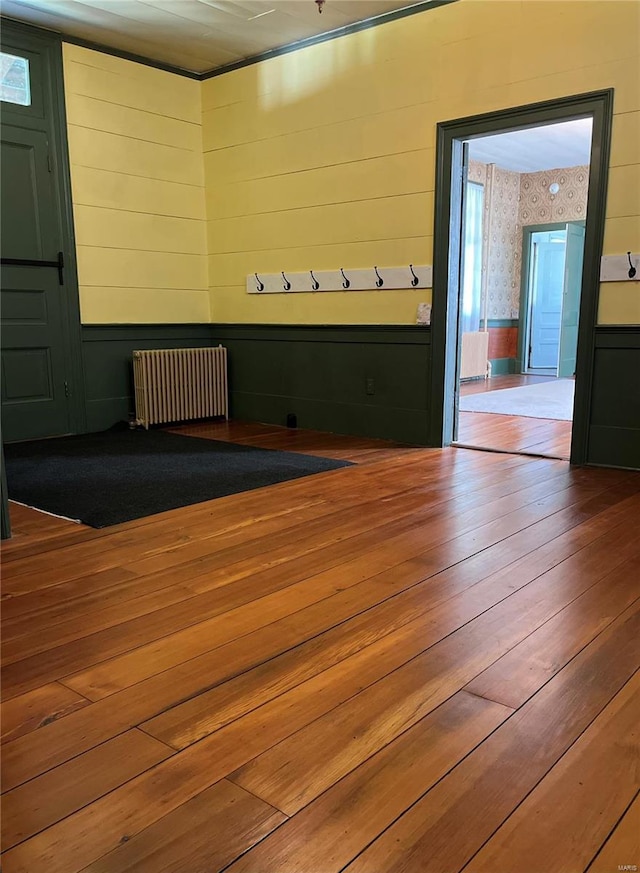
547 265
571 300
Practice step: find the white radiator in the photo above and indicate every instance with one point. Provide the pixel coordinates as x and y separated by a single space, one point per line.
474 355
180 384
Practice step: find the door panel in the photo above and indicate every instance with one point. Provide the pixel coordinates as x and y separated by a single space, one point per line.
35 305
34 401
546 303
28 225
571 300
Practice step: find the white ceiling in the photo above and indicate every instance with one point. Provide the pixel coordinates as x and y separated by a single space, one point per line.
539 148
196 35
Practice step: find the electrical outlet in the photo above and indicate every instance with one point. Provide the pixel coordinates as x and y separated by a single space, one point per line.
371 386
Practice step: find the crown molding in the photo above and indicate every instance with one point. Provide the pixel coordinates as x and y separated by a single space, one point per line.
368 23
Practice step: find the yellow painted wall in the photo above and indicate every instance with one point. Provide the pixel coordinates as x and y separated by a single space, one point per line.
135 143
325 157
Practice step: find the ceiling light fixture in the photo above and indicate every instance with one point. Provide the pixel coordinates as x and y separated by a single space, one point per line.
320 5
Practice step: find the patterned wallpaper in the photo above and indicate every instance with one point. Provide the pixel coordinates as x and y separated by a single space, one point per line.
477 172
538 205
513 201
503 235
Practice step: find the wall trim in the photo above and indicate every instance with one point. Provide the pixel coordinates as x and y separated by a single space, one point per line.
503 322
415 333
348 333
357 26
117 332
100 47
617 336
348 29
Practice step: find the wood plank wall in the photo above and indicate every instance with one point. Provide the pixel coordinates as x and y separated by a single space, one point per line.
137 183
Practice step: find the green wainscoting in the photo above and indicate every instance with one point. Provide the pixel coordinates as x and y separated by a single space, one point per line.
502 322
107 356
369 380
323 376
320 374
502 366
614 430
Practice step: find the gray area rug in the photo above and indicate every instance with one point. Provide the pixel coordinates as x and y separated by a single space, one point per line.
552 399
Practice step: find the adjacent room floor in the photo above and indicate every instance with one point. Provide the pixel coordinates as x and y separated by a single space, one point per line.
424 662
512 433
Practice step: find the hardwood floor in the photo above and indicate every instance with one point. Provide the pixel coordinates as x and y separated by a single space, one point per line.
512 433
423 662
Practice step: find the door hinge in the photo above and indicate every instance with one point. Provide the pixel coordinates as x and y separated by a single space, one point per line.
49 162
66 389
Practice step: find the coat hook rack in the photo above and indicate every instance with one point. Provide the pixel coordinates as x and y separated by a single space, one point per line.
632 269
341 279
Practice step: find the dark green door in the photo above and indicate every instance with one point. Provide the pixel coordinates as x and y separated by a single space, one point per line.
39 304
34 399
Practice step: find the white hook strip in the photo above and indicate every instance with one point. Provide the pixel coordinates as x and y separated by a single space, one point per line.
394 278
615 268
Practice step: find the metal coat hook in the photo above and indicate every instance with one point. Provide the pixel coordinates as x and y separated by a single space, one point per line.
415 281
379 280
314 282
346 283
632 269
287 283
259 284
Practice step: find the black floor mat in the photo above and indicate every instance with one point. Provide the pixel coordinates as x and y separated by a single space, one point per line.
115 476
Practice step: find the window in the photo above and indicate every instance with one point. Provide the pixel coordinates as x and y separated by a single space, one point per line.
472 264
14 81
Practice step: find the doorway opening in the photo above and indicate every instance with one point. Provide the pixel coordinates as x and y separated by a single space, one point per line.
518 238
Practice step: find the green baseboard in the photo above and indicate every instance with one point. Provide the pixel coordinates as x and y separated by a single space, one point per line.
503 366
104 412
503 322
614 447
402 425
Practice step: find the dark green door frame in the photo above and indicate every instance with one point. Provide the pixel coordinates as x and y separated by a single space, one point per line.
597 105
20 37
523 318
5 520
